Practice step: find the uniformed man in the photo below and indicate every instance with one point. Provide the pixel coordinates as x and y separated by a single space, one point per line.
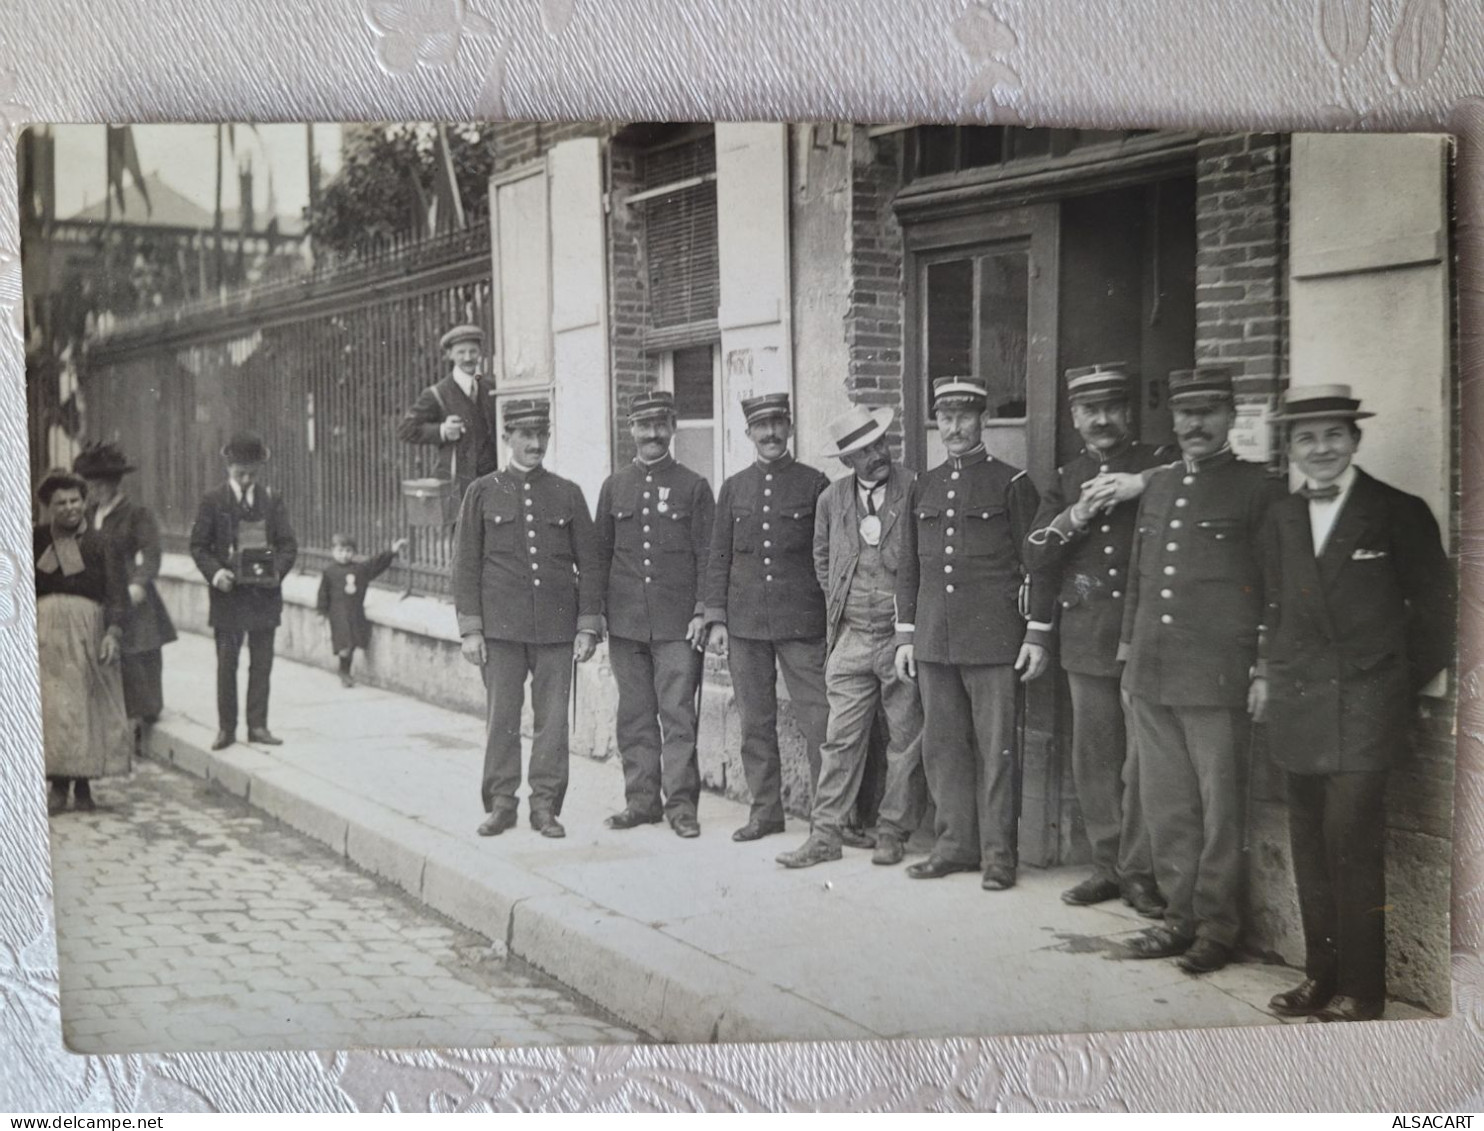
857 553
457 413
654 534
764 607
961 629
1359 620
1189 635
527 592
1082 537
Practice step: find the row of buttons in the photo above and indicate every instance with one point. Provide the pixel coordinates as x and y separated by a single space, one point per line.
1172 547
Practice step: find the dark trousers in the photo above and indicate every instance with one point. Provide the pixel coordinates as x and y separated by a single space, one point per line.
141 673
1193 785
1106 774
507 663
754 665
968 753
657 723
1337 827
259 669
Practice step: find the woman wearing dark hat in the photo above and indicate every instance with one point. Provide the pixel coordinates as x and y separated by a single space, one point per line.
135 536
80 605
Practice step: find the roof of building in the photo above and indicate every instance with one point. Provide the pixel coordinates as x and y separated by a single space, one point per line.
168 208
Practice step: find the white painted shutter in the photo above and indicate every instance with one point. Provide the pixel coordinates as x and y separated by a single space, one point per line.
522 264
582 413
753 249
1369 295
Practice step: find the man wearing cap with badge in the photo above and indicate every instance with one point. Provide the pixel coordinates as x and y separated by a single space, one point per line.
1359 619
244 546
857 552
654 536
1083 534
457 413
961 632
527 590
764 607
1190 628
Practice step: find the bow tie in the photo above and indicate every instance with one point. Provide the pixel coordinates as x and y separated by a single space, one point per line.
1320 494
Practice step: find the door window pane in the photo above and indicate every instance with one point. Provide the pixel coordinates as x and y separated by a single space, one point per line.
950 318
1004 331
694 374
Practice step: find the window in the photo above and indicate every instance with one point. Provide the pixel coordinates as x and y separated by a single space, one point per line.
679 201
954 149
976 323
691 374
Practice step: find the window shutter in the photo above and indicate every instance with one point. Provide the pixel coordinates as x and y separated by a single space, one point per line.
680 236
522 263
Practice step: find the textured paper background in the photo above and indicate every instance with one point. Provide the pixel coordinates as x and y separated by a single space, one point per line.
1279 64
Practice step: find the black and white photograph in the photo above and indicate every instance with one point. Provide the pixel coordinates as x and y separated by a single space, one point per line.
557 583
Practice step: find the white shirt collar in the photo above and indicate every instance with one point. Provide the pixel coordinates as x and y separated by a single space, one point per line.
237 490
463 381
107 509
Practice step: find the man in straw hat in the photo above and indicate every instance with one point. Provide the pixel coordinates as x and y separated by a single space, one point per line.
764 608
1359 620
962 631
244 546
1083 534
457 413
654 536
857 553
527 593
1189 636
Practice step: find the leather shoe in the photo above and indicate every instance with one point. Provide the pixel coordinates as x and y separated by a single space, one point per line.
224 739
815 850
755 830
630 819
686 825
1089 891
82 796
1145 899
1308 997
547 825
263 736
889 849
855 838
1352 1009
497 822
934 868
998 877
1205 956
56 799
1157 942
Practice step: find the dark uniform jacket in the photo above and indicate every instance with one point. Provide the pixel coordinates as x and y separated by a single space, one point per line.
1353 635
837 538
101 579
478 451
1195 596
760 579
136 536
654 537
963 564
342 599
213 539
525 566
1089 565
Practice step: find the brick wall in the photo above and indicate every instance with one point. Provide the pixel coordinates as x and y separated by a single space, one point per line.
873 325
628 298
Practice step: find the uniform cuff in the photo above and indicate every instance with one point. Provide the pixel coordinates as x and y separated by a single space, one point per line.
1039 626
593 624
906 634
1123 652
1035 635
470 625
714 614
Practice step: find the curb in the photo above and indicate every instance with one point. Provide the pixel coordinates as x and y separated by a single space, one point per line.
666 988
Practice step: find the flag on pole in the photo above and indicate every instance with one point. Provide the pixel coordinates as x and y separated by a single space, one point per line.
124 158
449 208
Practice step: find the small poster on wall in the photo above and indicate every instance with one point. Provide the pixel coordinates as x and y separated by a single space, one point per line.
1252 435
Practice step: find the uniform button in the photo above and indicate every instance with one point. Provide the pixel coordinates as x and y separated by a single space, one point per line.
769 477
528 502
646 545
768 578
954 475
1066 604
1188 480
1175 524
1105 528
536 581
951 494
767 545
948 549
646 494
530 534
644 511
646 530
1113 571
949 532
533 549
766 508
528 486
535 566
767 561
948 588
1172 546
948 569
1117 594
649 479
1166 593
765 526
1165 618
950 513
646 581
767 490
1182 502
530 518
1169 571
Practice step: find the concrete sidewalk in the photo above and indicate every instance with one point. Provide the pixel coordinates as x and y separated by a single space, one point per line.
699 940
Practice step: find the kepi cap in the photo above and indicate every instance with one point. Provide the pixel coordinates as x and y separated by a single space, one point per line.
766 406
1205 384
960 392
1106 381
652 405
527 414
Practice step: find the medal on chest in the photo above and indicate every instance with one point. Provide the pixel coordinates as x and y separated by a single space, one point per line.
664 505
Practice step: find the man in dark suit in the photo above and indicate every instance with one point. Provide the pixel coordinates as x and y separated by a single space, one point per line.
1360 618
857 553
457 413
1189 636
960 624
244 546
764 608
527 593
1083 535
654 536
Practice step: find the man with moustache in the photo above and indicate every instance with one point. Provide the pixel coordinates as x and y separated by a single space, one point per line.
961 629
1190 628
654 536
1359 620
764 607
1083 535
527 593
857 553
457 413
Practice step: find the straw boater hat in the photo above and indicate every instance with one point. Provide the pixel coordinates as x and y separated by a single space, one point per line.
245 447
656 404
1317 402
1203 385
464 333
1090 384
858 428
527 414
766 406
101 459
960 392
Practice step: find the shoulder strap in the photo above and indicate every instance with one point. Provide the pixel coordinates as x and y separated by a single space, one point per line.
437 396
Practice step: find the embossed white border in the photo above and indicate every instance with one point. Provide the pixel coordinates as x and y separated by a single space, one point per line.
1272 64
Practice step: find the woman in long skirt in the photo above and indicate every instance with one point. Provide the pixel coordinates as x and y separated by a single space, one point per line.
80 608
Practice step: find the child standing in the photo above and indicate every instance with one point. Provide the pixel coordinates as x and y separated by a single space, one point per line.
342 597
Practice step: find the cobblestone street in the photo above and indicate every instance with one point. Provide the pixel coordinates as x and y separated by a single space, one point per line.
187 920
